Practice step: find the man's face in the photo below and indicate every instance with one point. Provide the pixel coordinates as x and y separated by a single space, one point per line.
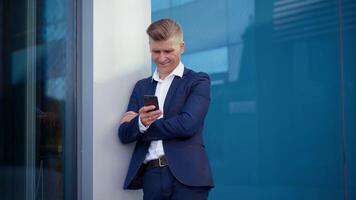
166 54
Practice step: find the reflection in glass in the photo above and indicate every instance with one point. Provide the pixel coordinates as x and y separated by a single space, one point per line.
37 100
211 61
277 127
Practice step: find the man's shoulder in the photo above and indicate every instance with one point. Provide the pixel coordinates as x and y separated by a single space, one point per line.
193 75
144 81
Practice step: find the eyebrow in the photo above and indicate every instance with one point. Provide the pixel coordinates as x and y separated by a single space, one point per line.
162 50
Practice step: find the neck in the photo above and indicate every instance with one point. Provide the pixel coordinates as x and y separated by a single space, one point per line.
162 76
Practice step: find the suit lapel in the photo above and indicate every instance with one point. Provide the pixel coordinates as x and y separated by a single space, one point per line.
151 89
172 91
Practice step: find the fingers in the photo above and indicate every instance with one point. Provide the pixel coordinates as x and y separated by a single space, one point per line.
154 115
147 116
147 108
130 112
128 116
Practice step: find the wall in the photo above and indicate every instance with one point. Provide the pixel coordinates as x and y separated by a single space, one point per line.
121 57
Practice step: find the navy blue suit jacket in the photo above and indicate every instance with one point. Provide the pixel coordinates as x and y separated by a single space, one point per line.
180 130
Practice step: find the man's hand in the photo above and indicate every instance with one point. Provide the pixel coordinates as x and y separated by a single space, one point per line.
128 116
148 116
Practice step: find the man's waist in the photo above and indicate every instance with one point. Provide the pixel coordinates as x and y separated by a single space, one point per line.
159 162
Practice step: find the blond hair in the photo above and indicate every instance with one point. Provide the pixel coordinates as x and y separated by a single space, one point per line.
164 29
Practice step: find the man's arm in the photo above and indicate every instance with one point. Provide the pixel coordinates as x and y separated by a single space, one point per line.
128 130
191 117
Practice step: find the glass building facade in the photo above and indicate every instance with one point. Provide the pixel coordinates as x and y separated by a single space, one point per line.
38 70
281 123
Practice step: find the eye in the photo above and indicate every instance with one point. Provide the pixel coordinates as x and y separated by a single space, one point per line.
168 51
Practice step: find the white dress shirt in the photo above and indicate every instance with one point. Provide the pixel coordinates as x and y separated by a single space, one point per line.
156 148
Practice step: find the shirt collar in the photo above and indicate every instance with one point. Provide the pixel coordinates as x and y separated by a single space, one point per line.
178 71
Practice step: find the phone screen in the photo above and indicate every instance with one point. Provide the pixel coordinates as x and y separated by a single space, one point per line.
150 100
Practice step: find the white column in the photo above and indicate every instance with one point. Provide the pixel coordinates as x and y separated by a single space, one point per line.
120 58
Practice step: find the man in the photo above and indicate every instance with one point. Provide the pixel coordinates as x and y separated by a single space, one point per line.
169 160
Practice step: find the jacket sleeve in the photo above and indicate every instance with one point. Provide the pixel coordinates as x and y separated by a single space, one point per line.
191 117
129 131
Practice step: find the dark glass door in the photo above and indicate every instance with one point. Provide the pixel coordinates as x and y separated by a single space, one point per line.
37 99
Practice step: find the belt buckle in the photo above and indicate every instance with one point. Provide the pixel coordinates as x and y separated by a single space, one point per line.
160 162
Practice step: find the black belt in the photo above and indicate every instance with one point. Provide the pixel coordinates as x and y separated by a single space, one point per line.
160 162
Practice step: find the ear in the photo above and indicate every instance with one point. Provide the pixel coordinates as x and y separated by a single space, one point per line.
182 47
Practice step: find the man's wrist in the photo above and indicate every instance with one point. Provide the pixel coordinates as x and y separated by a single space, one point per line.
141 126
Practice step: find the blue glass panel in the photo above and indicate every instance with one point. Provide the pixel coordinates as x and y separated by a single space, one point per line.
348 63
180 2
211 61
166 4
275 128
160 5
38 49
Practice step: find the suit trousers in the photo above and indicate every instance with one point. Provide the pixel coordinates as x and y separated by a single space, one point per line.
160 184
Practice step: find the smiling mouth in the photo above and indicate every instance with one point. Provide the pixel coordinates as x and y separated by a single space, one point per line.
164 63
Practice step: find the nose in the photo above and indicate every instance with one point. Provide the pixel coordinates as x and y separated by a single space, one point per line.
161 57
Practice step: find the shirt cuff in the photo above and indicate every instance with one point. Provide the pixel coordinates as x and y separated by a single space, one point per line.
142 127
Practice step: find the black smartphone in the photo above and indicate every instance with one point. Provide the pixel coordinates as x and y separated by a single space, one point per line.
150 100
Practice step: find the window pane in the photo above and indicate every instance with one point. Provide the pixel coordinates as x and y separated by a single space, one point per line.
282 107
37 99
